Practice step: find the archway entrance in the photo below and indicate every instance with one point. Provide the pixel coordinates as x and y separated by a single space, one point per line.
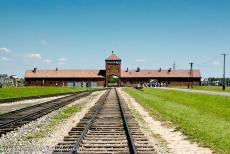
113 80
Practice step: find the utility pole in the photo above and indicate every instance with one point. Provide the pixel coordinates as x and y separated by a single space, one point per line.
191 74
174 65
224 83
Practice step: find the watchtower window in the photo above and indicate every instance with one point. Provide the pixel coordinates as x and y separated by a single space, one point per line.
113 62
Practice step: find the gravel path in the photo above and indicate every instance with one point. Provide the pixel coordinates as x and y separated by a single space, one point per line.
18 138
175 141
197 91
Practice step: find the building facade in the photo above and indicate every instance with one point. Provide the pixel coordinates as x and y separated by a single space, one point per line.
9 81
113 69
113 75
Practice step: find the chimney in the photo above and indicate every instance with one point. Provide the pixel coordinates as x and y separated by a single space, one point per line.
138 69
56 69
159 69
127 69
169 70
35 70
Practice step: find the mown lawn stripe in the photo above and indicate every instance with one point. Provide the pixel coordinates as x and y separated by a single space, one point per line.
203 118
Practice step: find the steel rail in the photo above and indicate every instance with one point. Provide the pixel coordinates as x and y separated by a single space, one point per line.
41 112
130 139
37 114
89 124
45 103
33 106
10 100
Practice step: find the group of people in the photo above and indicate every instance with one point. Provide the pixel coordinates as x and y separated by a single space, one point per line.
153 84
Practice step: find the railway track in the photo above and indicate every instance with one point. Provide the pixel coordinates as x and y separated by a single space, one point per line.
11 100
12 120
107 128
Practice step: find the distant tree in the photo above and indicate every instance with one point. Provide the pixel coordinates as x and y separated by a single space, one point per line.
212 79
113 79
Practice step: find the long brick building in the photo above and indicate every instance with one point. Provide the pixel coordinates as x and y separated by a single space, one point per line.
99 78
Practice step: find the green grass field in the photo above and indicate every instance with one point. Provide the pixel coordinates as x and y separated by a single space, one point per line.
210 88
203 118
35 91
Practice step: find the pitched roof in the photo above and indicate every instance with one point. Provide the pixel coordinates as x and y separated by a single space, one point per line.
98 74
63 74
113 56
159 74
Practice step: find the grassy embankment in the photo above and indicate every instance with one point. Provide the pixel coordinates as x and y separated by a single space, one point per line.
209 88
45 128
35 91
203 118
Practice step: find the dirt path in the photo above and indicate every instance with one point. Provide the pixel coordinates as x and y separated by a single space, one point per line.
197 91
159 134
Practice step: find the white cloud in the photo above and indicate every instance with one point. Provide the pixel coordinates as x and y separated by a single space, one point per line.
62 61
216 63
44 42
47 60
37 57
141 60
33 55
5 50
5 59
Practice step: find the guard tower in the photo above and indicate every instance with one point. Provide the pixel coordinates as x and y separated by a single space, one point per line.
113 68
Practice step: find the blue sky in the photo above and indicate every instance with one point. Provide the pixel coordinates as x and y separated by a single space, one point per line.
77 34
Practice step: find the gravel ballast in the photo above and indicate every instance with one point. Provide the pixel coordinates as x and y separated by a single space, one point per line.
19 138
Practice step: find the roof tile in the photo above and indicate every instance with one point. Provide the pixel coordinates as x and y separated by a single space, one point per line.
97 74
63 74
113 56
157 73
